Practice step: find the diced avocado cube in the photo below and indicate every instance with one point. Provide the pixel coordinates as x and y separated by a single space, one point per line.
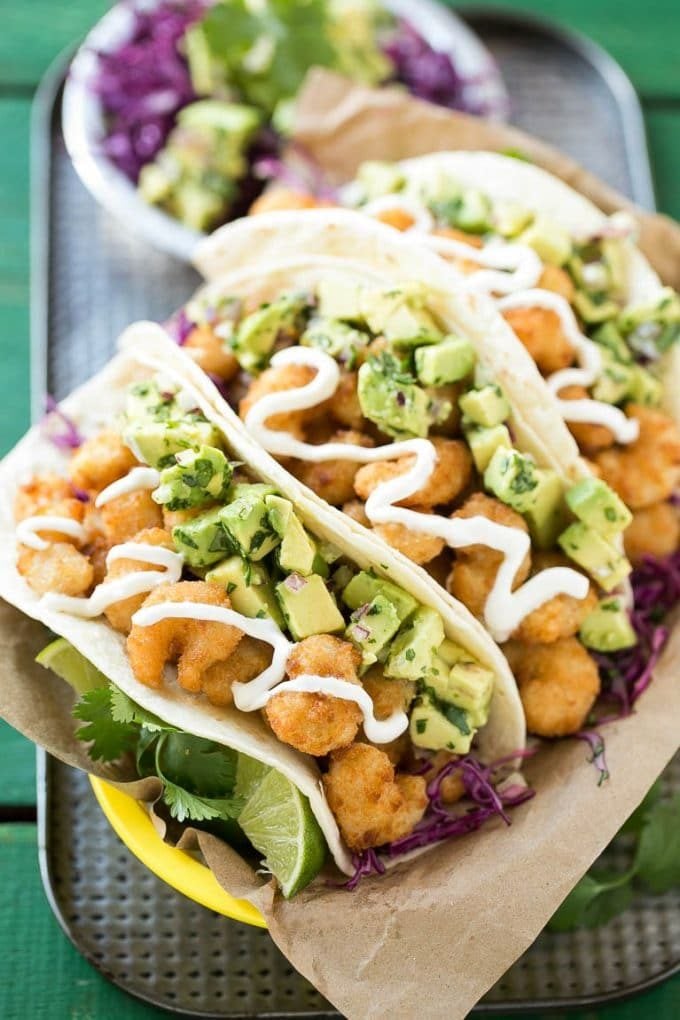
484 442
474 212
146 402
341 577
486 406
378 178
547 513
436 730
446 362
371 628
203 541
308 607
328 552
596 307
594 503
199 477
399 314
246 520
339 298
336 338
608 628
511 218
645 388
297 551
609 336
154 184
233 119
549 240
450 653
415 646
391 398
195 205
248 586
613 382
603 561
466 684
513 478
648 319
364 587
256 334
157 443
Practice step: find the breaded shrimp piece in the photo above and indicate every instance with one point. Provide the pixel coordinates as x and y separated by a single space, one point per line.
417 545
332 480
317 723
193 644
464 265
344 405
561 616
388 696
71 508
646 471
248 660
278 198
277 380
558 685
101 460
475 567
210 352
589 437
355 509
400 219
371 804
557 280
450 477
654 531
120 614
540 330
126 515
41 494
60 568
451 788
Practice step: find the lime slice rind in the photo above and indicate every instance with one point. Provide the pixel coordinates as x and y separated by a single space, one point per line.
70 665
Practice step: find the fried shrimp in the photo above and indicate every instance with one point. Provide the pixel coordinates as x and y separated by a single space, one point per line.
558 281
589 437
60 568
279 198
277 380
540 330
646 471
194 645
388 696
561 616
210 352
395 217
451 787
101 460
417 545
119 614
344 405
654 531
475 567
126 515
317 723
41 495
355 509
67 507
332 480
248 660
371 803
558 685
450 477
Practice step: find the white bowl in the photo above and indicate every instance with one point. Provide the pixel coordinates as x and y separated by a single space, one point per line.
84 126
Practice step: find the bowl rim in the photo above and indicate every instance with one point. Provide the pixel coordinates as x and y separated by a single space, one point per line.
177 868
83 121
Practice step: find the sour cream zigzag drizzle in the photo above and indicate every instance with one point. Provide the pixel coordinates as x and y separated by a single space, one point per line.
506 266
27 530
136 479
504 609
136 583
251 696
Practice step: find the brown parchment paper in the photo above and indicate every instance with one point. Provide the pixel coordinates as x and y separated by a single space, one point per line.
431 937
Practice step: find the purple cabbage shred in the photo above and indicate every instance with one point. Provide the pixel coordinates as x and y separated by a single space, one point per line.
595 742
178 327
61 430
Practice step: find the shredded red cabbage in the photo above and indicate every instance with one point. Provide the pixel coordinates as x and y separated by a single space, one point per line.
179 326
144 82
595 742
68 437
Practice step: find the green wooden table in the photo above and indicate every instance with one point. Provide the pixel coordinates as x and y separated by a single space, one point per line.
41 975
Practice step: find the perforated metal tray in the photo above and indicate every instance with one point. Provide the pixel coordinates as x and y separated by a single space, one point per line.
90 279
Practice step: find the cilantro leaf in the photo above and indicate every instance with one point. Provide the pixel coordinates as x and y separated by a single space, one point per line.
593 901
638 819
125 710
657 860
110 738
200 766
188 806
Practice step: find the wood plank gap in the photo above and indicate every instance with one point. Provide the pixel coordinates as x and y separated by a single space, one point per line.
17 813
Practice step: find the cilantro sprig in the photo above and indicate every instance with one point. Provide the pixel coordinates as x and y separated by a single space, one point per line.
653 865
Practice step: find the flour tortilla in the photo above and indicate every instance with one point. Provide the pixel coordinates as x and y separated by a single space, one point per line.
145 349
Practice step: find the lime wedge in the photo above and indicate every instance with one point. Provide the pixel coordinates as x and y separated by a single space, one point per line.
66 661
278 821
249 775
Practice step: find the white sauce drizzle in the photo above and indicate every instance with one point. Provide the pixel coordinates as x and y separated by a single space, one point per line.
504 609
27 530
509 266
138 478
423 221
251 696
137 583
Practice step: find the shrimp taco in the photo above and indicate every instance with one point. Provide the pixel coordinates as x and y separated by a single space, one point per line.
413 407
303 647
